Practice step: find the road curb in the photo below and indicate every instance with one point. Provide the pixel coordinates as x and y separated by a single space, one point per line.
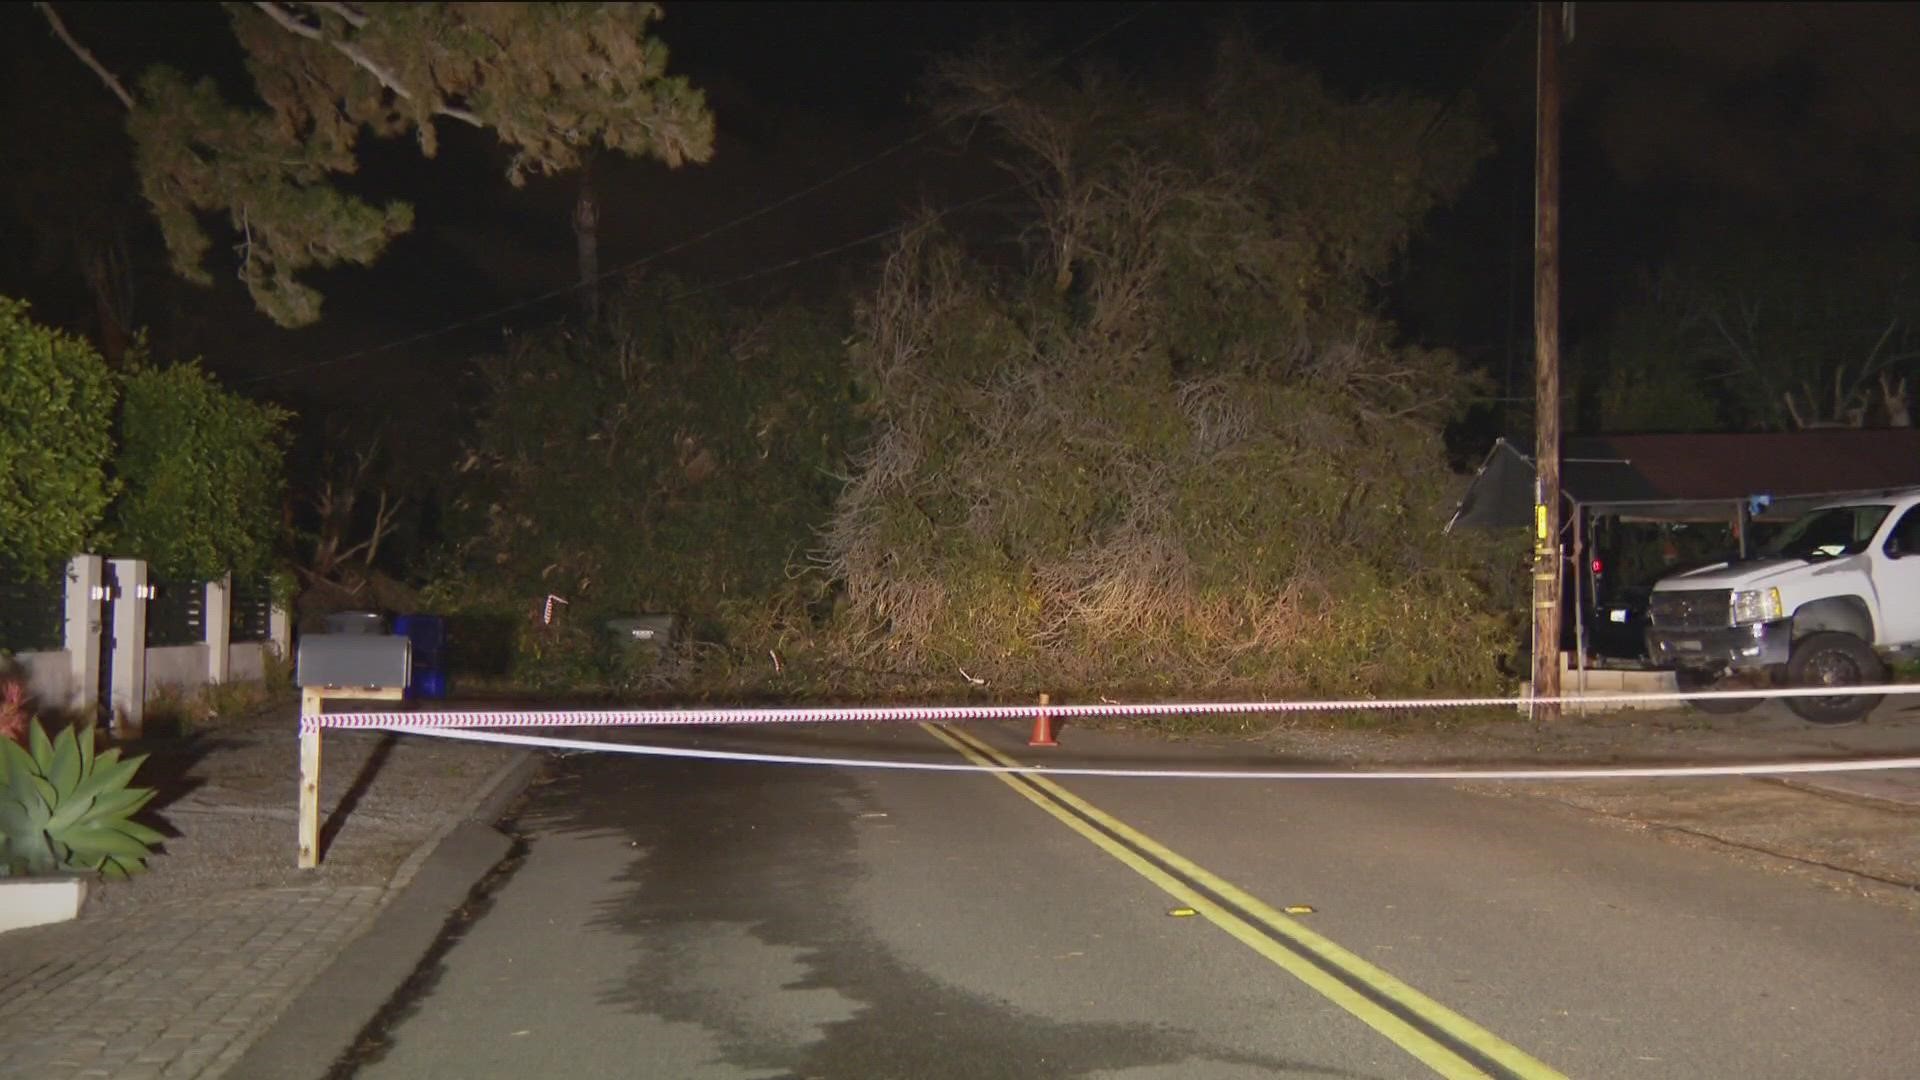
1851 794
329 1013
485 806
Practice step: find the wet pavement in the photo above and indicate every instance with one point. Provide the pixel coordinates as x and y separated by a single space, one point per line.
697 919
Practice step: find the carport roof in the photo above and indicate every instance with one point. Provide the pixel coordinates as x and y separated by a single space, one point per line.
1696 477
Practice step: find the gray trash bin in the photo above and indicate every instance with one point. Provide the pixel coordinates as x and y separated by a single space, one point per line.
638 643
355 622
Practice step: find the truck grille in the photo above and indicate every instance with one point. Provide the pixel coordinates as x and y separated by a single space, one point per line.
1698 609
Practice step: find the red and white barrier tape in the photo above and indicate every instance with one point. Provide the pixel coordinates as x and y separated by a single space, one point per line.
414 721
1785 768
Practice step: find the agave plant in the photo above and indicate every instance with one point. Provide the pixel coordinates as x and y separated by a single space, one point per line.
64 809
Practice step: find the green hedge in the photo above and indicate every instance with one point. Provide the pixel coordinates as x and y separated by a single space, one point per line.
203 470
56 422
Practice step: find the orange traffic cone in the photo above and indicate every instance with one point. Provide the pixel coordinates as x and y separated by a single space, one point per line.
1042 727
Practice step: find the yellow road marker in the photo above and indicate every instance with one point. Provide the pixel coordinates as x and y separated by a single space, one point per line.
1134 848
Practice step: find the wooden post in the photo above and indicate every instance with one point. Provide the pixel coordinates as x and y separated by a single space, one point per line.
1546 337
311 702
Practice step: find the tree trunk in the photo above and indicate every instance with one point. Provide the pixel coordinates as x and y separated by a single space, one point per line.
113 336
104 266
586 239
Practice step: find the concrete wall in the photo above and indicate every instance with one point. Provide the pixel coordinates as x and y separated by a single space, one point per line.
182 666
49 676
247 662
1608 682
69 678
128 683
84 631
1620 682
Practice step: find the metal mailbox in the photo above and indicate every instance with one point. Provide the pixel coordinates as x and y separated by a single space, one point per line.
354 659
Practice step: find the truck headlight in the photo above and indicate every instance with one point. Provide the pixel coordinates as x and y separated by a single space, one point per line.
1757 606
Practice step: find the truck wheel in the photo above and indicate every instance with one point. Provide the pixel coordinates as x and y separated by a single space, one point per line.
1691 681
1833 659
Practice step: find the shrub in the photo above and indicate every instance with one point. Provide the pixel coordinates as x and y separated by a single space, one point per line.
56 412
179 710
13 710
681 461
203 472
276 672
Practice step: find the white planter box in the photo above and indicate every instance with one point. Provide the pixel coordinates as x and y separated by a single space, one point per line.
35 901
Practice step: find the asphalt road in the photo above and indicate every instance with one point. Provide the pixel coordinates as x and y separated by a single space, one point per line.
691 919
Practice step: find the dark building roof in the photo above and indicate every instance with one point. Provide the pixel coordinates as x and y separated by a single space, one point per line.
1697 477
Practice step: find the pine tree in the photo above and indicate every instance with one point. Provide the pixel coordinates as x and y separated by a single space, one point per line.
554 82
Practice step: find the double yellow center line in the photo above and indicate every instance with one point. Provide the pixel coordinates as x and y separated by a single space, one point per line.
1445 1041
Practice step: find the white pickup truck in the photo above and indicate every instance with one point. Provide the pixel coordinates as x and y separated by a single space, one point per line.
1823 605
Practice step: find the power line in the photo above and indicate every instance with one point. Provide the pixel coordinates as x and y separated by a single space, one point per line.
799 260
872 237
1487 58
914 139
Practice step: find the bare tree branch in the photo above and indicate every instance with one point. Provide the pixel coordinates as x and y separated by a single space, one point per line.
1893 398
289 21
86 57
383 525
1874 353
353 17
334 502
1793 411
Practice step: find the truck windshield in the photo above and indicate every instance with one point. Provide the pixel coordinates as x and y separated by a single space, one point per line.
1829 533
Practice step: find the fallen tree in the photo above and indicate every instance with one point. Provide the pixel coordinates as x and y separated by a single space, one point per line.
1176 447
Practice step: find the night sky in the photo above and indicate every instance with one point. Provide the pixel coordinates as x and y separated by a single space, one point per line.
1760 114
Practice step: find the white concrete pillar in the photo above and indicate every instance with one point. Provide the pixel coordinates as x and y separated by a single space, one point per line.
217 614
130 646
280 631
85 585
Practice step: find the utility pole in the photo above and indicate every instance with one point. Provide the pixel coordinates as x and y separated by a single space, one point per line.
1546 344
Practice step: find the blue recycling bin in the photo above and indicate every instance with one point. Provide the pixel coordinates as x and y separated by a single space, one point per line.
428 633
428 685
